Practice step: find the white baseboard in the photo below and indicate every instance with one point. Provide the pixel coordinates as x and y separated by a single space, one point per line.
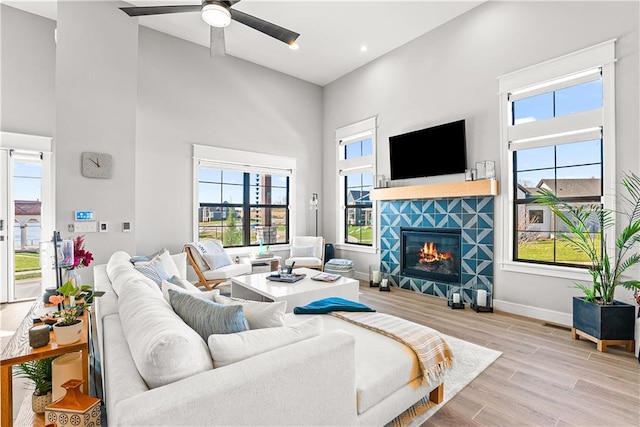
556 317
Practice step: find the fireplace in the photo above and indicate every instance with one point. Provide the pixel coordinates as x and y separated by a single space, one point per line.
431 254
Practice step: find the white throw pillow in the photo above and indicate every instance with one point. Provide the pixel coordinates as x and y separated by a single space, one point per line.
169 264
230 348
180 259
209 295
303 251
259 314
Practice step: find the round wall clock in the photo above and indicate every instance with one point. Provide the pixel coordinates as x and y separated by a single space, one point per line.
97 165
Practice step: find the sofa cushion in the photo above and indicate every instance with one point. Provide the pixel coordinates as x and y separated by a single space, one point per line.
231 348
227 271
163 347
259 314
207 317
372 383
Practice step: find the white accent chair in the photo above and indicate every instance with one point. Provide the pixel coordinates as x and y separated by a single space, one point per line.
307 251
210 278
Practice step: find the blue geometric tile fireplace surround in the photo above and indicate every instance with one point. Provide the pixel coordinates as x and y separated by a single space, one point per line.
472 215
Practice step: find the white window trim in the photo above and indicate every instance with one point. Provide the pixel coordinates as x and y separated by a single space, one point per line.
363 129
245 161
601 55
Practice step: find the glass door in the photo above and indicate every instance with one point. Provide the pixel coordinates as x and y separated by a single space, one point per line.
26 218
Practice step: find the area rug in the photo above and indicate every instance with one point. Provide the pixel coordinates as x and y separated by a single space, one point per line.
469 361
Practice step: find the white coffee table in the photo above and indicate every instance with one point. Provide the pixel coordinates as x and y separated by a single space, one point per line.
256 287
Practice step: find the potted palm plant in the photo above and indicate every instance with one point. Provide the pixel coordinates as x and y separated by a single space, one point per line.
597 314
39 372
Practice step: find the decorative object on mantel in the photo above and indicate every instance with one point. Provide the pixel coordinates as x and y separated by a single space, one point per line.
74 409
597 316
485 169
381 181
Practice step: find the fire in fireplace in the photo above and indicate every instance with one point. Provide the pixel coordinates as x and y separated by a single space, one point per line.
431 254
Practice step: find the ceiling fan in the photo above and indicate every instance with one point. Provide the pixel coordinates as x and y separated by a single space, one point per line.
218 14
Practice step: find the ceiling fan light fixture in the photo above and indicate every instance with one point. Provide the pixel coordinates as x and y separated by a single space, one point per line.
294 46
216 15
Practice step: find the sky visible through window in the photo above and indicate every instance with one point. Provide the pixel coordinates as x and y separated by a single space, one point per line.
581 159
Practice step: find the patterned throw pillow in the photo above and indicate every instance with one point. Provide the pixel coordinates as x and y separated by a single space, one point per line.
154 270
207 317
303 251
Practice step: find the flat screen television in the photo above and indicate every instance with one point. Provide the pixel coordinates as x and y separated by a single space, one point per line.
437 150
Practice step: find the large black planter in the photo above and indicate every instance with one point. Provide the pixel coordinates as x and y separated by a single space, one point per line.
604 322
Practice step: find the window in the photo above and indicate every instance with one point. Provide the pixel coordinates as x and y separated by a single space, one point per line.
241 204
557 133
356 160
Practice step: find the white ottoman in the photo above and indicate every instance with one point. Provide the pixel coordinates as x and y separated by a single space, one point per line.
343 267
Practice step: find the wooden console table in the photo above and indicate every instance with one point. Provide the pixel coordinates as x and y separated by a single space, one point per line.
18 351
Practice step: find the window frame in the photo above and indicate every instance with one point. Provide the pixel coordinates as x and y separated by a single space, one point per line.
560 72
363 164
247 163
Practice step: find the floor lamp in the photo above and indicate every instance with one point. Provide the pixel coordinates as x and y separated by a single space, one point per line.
314 206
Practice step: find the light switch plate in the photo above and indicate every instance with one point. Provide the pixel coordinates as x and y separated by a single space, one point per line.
85 227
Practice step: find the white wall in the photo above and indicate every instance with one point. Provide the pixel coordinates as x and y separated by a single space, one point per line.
187 97
28 61
451 73
96 78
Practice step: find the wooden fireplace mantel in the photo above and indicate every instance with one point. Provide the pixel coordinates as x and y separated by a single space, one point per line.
484 187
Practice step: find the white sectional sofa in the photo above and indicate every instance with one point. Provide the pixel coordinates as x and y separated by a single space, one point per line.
158 371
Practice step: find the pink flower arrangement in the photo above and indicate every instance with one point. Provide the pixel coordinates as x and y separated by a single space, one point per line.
81 256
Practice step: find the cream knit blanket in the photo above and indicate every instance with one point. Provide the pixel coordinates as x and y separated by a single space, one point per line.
432 351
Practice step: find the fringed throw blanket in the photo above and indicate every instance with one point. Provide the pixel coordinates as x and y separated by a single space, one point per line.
433 352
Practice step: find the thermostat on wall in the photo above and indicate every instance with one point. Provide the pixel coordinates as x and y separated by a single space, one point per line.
84 215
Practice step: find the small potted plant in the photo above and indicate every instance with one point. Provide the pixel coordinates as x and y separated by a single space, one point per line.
39 372
597 314
68 327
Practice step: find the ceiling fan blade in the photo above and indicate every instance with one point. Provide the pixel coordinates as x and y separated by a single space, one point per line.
217 42
277 32
230 2
159 10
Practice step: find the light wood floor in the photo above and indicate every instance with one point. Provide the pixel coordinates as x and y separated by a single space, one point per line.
543 378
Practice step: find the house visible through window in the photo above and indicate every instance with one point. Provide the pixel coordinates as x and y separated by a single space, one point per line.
558 138
356 160
241 206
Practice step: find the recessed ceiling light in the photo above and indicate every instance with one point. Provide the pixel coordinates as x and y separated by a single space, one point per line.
294 46
363 48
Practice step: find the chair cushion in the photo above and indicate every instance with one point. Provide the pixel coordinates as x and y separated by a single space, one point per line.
227 271
208 317
304 262
259 314
231 348
303 251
